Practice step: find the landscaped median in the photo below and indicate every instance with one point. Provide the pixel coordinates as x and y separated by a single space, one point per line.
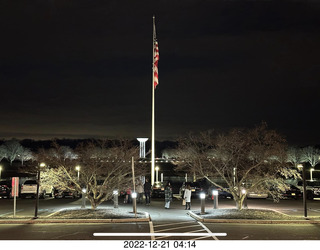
81 216
254 216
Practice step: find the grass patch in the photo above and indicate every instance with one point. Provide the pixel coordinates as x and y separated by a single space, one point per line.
248 214
94 214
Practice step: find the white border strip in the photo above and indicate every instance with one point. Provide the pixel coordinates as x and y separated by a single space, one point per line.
159 234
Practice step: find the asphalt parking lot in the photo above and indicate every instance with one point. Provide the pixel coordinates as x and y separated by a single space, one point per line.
175 220
25 207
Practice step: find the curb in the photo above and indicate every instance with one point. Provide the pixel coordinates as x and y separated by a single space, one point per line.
244 221
44 221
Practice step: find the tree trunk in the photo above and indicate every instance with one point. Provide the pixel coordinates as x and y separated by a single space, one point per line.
239 201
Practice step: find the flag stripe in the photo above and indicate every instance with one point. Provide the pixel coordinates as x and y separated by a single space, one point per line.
155 64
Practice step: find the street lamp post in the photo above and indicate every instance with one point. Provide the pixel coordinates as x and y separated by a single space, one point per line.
37 195
0 171
300 166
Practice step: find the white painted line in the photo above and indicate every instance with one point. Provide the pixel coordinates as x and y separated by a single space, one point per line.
207 229
151 230
188 232
164 225
159 234
174 228
200 230
19 210
199 238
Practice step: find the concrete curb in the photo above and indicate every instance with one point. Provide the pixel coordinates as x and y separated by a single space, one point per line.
243 221
44 221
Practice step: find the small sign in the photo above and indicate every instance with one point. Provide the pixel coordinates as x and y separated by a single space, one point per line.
15 187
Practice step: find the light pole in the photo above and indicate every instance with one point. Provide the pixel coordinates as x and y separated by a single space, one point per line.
157 174
78 169
0 171
300 166
37 195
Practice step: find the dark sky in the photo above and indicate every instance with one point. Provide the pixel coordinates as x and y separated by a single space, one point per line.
83 68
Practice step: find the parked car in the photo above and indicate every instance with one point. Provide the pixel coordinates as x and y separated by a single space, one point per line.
257 195
313 189
29 189
293 192
158 190
196 188
5 189
66 193
222 193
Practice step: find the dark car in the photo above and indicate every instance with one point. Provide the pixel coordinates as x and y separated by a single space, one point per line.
66 193
196 189
293 192
313 189
158 190
222 193
5 189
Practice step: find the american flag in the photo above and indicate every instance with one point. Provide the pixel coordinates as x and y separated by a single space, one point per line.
155 64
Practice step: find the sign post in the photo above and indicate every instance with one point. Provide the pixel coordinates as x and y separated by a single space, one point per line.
15 193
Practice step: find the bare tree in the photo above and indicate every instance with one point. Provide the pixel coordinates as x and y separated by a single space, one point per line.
25 155
14 148
311 155
170 153
254 159
103 168
3 152
295 156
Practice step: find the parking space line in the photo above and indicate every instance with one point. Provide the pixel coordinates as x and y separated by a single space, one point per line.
161 237
151 230
199 238
170 229
314 210
207 229
19 210
164 225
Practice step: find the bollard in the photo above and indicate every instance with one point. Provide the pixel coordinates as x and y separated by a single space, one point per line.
134 202
215 194
84 191
115 199
202 197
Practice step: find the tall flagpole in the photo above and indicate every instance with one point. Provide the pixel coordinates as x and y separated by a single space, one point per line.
153 115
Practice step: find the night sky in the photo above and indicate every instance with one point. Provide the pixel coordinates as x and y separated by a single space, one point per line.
83 68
